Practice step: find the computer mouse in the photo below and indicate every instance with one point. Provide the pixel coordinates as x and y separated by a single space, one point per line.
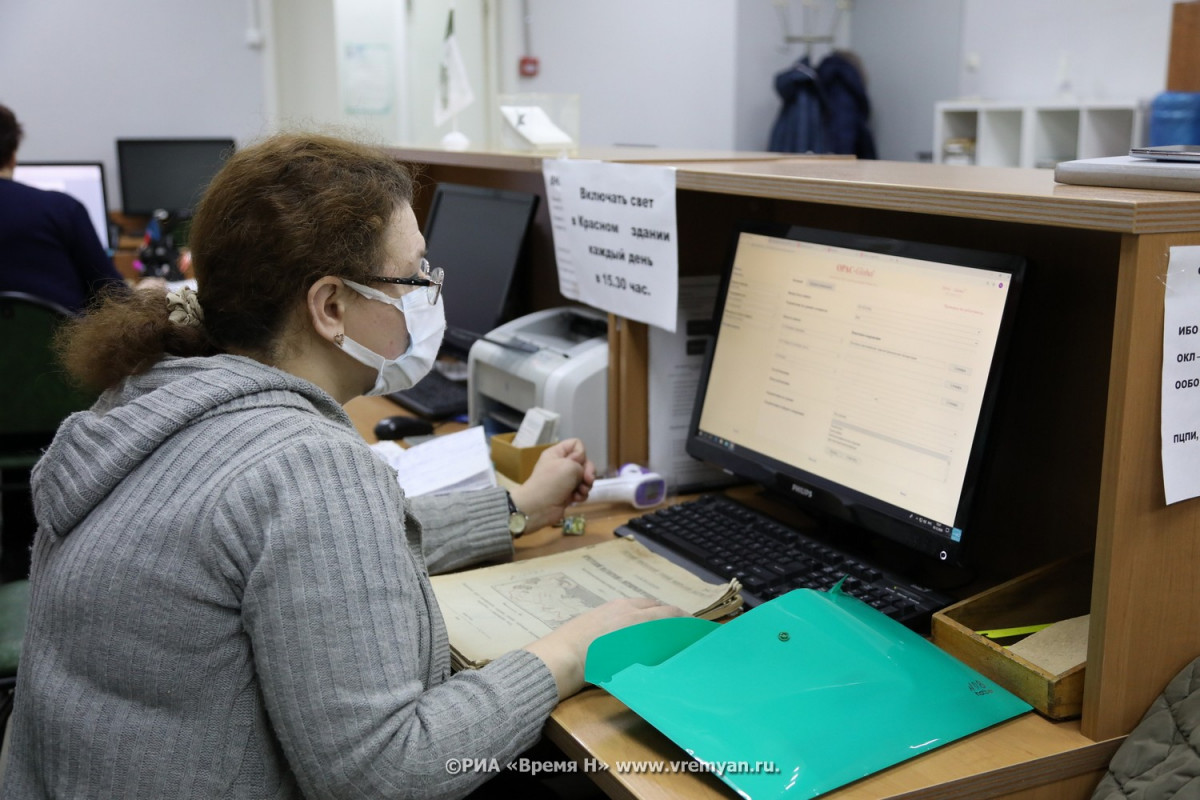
400 426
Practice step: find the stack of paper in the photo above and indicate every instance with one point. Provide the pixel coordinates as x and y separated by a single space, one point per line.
455 462
539 426
493 610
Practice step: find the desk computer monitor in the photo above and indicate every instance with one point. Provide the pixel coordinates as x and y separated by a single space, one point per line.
855 375
83 180
168 174
477 236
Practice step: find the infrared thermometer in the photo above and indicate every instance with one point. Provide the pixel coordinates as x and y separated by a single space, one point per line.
634 485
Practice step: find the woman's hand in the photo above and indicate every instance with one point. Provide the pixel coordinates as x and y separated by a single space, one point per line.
565 648
563 475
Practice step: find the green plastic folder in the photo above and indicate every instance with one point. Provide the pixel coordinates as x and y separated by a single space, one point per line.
801 695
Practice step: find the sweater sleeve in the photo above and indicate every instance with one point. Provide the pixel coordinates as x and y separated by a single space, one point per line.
348 645
464 528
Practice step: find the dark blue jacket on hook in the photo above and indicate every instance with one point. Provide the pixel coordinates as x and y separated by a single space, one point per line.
825 110
800 127
847 108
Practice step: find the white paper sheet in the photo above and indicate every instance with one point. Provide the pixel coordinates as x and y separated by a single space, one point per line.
454 462
534 125
367 78
1181 376
676 361
615 237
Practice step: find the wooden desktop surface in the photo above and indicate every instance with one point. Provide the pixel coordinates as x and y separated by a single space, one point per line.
1012 759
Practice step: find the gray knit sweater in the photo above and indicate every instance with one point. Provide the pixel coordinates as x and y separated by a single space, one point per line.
230 599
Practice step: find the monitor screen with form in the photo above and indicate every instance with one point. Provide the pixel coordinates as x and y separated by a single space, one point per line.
168 174
476 235
83 180
855 375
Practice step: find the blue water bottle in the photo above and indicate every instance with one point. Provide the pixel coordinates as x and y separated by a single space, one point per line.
1175 118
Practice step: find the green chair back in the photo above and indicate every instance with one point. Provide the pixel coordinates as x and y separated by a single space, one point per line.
14 609
37 393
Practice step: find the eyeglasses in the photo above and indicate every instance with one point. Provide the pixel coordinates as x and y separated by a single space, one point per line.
432 284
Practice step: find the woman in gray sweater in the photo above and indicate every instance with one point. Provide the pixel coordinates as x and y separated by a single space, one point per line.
230 592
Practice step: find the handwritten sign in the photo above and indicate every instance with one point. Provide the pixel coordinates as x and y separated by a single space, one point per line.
615 237
1181 376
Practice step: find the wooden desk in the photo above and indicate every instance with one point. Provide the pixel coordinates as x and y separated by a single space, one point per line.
364 412
1076 461
1026 758
1017 755
1014 759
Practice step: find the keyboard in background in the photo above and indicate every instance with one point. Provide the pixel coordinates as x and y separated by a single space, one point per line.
434 397
728 540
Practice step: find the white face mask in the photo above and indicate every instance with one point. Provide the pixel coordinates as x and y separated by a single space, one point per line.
426 323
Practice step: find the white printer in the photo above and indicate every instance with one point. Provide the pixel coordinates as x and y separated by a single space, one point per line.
555 359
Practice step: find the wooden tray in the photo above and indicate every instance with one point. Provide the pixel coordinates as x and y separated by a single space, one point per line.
1052 593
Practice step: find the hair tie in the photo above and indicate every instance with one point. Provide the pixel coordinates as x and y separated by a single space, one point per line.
183 307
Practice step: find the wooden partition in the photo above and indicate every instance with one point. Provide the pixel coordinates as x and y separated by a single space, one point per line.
1183 61
1075 461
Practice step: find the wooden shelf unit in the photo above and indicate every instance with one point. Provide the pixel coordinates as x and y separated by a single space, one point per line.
1013 134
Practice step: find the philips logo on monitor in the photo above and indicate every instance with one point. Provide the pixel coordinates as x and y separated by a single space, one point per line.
803 491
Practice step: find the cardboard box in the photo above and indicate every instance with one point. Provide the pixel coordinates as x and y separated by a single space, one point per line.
1058 591
514 463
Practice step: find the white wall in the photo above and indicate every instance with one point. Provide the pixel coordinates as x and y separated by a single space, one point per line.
80 74
341 66
906 74
1113 49
657 73
648 73
672 73
917 52
303 63
668 73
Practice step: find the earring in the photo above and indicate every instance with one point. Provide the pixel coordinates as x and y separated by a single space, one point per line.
339 339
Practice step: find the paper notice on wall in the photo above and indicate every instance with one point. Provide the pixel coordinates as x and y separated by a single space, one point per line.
367 78
1181 376
615 237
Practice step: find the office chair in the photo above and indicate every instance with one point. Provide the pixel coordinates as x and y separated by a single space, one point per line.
14 610
37 397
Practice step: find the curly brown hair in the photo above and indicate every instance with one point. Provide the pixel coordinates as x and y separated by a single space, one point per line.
278 216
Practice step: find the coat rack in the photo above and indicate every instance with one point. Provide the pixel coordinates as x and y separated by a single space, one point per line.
807 39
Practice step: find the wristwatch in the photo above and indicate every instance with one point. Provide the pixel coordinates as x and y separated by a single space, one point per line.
517 520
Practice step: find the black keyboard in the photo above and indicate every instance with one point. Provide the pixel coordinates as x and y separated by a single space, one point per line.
729 540
435 397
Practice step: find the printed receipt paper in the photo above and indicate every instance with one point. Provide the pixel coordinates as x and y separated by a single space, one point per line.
818 685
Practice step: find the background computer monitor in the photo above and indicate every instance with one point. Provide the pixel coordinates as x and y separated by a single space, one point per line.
83 180
169 174
477 236
855 375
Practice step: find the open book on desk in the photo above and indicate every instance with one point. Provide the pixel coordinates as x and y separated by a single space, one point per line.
492 610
